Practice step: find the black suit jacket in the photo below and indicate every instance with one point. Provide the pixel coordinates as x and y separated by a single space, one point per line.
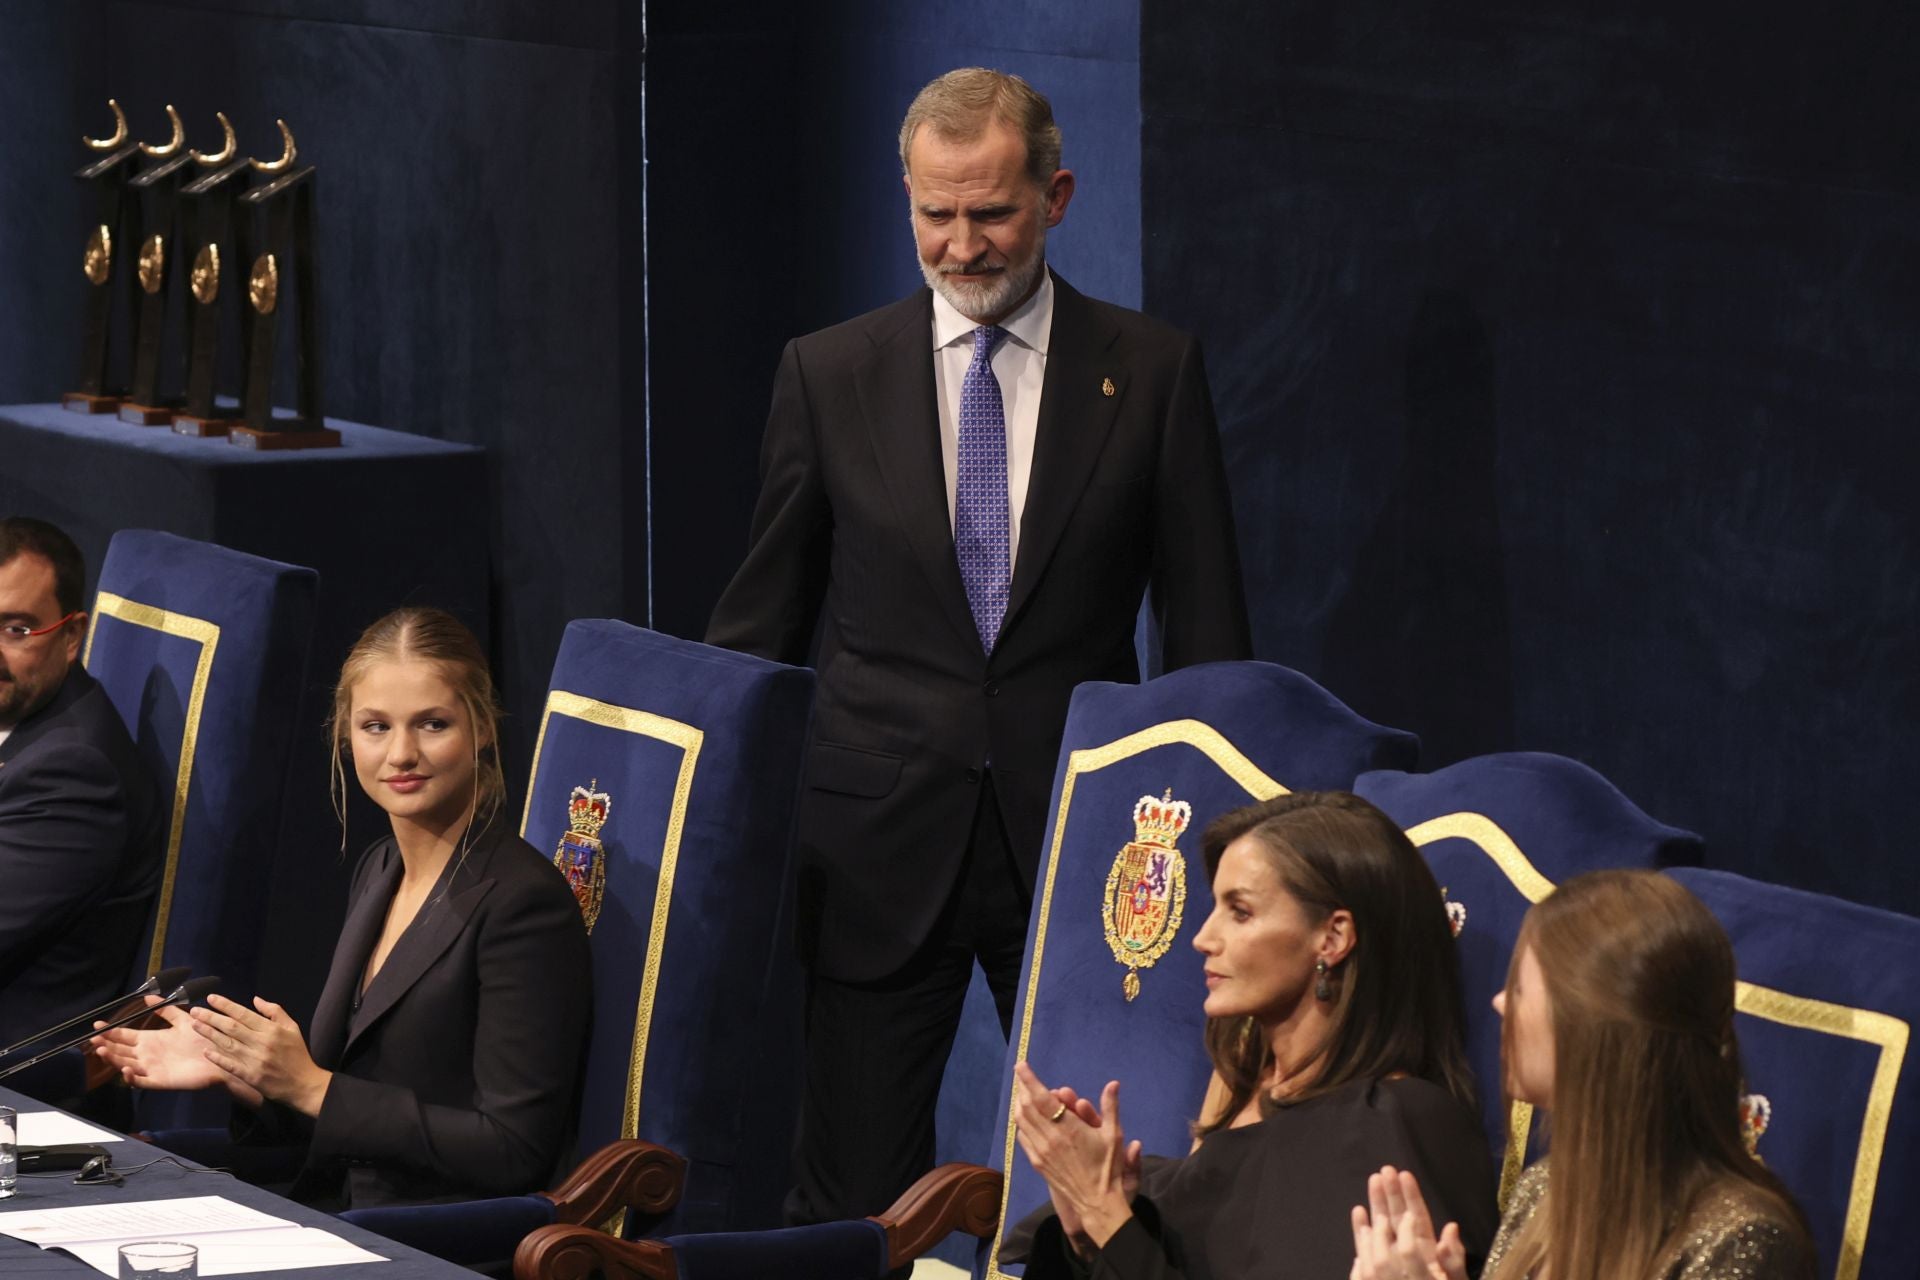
82 843
459 1076
852 536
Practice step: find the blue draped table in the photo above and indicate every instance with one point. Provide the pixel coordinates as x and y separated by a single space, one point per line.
387 519
168 1182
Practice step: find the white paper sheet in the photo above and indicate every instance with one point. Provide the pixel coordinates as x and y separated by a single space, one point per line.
231 1237
232 1253
121 1221
52 1128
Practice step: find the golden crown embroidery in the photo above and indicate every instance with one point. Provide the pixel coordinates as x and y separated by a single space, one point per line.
580 857
1147 888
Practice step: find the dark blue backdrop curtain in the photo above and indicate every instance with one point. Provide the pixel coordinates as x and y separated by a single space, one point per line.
1567 361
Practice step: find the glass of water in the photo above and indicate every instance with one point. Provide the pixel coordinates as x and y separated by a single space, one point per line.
159 1260
9 1151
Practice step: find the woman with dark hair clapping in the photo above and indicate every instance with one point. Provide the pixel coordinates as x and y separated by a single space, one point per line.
1335 1028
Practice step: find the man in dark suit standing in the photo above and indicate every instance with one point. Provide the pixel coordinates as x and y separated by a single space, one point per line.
81 841
965 494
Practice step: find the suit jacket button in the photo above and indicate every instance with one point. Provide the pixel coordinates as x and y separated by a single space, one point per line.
973 775
992 690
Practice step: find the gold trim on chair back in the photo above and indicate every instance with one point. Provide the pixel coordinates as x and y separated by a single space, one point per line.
1203 738
688 739
207 636
1870 1027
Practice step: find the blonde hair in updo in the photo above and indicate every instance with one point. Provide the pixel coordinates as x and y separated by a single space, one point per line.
434 636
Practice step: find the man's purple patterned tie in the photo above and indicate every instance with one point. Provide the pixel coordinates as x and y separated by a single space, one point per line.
980 524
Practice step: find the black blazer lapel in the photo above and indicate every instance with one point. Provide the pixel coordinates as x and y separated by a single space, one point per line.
328 1036
1076 415
903 424
431 933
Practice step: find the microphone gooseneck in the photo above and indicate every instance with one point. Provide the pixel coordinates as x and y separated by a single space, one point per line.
185 994
166 982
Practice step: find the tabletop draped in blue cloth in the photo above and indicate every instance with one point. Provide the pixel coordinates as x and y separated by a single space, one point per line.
168 1181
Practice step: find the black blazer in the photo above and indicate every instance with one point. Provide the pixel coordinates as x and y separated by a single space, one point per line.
852 536
82 843
459 1075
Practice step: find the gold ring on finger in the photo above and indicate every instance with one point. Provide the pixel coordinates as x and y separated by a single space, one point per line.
1058 1112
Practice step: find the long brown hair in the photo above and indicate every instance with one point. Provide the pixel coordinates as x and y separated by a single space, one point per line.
1646 1075
435 636
1397 1005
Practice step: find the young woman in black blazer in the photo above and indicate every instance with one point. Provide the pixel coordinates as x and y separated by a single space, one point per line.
445 1053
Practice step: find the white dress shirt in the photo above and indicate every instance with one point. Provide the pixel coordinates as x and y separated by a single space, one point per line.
1020 367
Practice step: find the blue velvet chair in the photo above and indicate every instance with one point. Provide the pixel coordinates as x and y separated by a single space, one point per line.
1213 738
203 651
1828 995
664 781
1499 832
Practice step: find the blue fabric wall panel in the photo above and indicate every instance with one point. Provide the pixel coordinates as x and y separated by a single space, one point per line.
585 24
50 93
468 227
1565 395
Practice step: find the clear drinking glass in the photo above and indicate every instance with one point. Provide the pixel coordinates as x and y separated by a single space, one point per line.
9 1151
159 1260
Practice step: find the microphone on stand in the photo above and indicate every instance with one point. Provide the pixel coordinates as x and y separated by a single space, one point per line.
184 994
163 982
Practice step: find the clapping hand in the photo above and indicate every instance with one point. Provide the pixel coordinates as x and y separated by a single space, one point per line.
1396 1241
166 1057
1091 1170
263 1048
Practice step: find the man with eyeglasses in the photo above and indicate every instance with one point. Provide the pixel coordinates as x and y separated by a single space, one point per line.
81 836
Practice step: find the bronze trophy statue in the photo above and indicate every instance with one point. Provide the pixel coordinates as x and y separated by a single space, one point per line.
208 232
146 403
281 254
105 263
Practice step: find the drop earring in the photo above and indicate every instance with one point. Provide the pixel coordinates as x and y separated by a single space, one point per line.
1322 989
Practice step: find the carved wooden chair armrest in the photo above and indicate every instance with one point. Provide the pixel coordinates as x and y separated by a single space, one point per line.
954 1197
625 1174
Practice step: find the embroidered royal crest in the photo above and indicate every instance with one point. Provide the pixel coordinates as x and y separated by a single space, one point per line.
580 857
1456 912
1147 888
1756 1113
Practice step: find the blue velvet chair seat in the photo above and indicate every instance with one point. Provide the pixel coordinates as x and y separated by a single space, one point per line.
470 1234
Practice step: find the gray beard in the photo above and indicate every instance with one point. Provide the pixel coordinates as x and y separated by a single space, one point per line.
994 298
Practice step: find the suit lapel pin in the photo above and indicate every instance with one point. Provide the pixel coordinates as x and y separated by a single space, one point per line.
1106 386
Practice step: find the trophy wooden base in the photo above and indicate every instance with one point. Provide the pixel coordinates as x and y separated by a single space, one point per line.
145 415
81 402
187 425
307 438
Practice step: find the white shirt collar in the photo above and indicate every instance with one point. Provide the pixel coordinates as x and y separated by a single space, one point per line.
1030 324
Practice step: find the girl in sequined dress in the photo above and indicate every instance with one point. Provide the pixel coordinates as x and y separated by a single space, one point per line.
1619 1021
